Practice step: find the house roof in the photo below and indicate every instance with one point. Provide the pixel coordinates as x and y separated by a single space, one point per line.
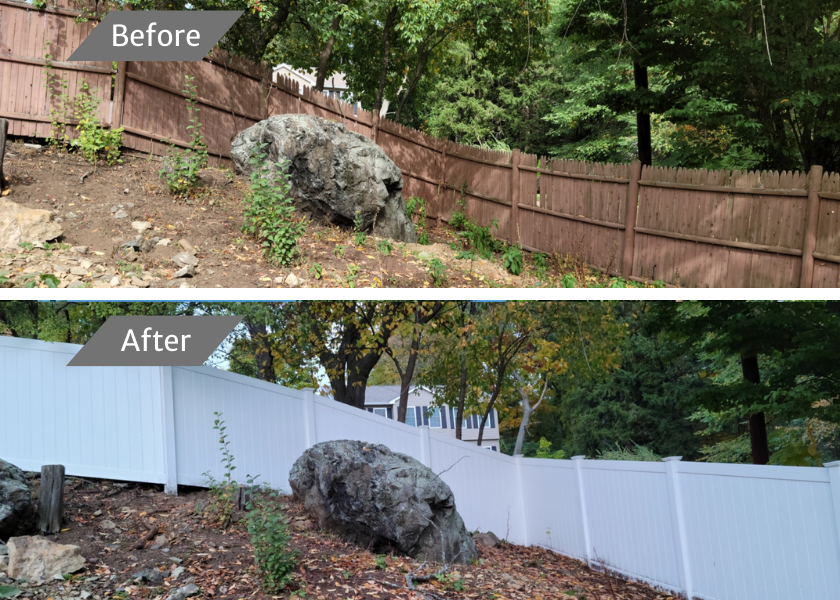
382 394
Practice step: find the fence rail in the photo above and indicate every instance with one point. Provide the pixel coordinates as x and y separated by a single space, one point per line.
710 531
692 228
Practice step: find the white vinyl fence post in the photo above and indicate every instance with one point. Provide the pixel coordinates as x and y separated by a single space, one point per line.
170 453
678 523
309 419
834 483
425 446
518 462
578 460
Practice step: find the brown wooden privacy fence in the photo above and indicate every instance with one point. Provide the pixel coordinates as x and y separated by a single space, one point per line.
685 227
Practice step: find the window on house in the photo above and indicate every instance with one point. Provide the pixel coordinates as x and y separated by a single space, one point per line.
382 412
434 418
409 417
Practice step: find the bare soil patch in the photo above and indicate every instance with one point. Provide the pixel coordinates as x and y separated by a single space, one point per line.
97 207
107 520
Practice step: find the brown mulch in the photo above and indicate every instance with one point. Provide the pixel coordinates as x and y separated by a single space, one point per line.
108 519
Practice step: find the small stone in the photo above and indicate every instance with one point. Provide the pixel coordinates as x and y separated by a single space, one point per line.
84 595
278 279
129 205
125 191
292 280
76 284
98 513
114 209
132 243
162 540
137 282
186 271
164 242
37 147
120 214
70 215
85 264
107 524
140 226
187 247
79 249
115 281
60 269
176 572
78 271
183 259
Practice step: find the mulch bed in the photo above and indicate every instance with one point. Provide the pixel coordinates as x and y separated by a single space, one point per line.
107 520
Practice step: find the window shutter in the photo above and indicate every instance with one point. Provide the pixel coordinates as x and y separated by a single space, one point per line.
425 415
390 412
492 419
418 416
469 422
494 448
370 410
475 421
443 418
452 417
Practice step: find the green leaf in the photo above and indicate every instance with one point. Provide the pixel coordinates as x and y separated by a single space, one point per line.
9 591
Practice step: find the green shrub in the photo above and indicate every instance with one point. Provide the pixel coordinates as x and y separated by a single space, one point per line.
269 211
181 168
223 492
359 236
437 271
415 205
637 452
94 140
385 247
514 261
270 537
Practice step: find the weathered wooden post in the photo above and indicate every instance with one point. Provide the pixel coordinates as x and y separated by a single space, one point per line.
631 205
812 218
4 128
51 499
515 238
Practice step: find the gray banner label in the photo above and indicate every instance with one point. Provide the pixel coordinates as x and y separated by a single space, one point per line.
155 35
154 341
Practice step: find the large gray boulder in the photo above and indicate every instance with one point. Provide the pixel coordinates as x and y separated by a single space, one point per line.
381 500
39 560
335 172
17 513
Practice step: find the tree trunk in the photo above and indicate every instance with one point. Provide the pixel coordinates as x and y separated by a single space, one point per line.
758 426
51 499
262 350
640 76
325 55
407 376
462 396
383 74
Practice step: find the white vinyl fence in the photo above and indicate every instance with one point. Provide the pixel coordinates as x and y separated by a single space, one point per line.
710 531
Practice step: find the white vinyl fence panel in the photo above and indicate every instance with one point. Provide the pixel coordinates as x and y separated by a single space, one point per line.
708 531
96 421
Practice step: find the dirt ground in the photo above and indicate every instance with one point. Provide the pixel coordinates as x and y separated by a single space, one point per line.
96 209
108 519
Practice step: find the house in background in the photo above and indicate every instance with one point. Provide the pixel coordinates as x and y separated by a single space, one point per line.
384 400
334 86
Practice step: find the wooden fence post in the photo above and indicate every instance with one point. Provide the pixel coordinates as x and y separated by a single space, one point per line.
442 184
4 128
515 237
631 206
811 221
265 86
51 499
119 95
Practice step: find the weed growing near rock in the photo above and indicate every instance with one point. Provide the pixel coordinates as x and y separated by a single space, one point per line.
514 261
269 211
415 205
269 531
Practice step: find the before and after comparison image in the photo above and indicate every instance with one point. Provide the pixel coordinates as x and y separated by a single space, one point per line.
420 300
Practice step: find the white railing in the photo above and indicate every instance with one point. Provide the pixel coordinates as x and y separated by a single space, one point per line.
711 531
